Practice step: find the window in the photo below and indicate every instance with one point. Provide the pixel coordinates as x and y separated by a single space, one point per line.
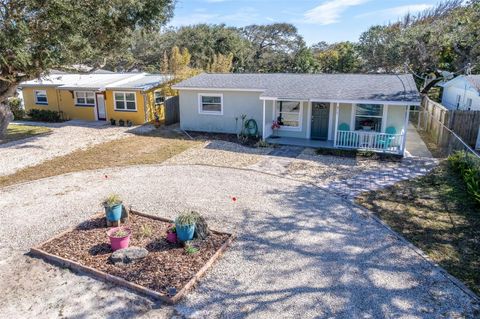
159 98
288 114
368 117
41 97
459 98
210 104
84 98
469 103
125 101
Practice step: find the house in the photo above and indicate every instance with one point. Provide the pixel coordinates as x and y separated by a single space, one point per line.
355 111
462 93
99 96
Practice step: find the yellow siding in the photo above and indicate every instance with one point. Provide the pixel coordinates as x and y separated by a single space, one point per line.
73 112
137 117
29 99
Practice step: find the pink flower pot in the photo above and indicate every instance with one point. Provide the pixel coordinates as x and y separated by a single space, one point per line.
119 242
172 238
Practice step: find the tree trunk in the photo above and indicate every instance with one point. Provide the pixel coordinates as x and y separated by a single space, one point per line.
7 89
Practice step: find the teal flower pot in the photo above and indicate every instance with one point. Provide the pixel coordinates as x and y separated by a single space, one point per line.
114 213
185 232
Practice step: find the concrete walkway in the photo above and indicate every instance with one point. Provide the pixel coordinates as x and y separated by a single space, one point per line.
415 146
301 252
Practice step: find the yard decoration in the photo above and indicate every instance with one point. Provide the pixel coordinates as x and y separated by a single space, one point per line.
113 208
119 237
156 121
172 234
185 226
275 127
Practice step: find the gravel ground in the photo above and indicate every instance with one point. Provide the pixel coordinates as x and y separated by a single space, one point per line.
300 252
220 153
65 138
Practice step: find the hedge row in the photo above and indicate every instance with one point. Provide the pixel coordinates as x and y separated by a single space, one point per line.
468 166
44 115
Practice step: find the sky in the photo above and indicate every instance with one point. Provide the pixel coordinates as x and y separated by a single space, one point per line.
316 20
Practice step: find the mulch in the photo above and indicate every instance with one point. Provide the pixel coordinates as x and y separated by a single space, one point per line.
166 266
232 138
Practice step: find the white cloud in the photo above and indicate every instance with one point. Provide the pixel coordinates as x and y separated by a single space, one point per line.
330 11
241 17
398 11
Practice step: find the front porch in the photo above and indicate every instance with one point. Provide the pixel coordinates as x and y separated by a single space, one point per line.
372 127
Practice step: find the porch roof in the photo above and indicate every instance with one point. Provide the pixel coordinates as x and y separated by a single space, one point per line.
321 87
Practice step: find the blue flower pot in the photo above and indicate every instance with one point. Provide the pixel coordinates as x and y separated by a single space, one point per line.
185 232
114 213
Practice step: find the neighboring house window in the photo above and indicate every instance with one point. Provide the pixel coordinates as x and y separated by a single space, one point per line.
459 98
125 101
368 117
469 103
289 114
41 97
84 98
210 104
159 98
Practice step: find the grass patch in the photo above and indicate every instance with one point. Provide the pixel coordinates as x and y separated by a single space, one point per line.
17 132
135 150
436 213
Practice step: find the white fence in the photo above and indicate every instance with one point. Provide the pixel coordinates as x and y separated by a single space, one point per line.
371 141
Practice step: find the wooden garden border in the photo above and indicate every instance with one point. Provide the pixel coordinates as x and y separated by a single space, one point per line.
37 251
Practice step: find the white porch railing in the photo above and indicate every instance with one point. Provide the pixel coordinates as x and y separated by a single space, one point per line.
371 141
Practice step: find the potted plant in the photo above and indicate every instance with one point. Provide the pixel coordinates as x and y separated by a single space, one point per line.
113 207
129 123
275 127
172 234
185 226
156 121
113 122
121 122
119 237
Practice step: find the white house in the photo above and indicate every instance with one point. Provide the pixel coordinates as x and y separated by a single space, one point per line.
356 111
462 93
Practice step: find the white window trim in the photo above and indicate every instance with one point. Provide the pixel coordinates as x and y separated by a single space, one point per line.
124 100
383 116
200 104
300 117
84 104
35 96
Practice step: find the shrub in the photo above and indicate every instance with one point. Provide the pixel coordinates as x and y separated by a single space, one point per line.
468 167
112 200
187 218
15 105
44 115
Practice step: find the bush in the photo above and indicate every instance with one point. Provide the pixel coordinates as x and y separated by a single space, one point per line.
468 166
44 115
15 105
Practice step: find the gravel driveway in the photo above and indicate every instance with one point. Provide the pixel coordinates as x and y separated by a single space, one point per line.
65 138
301 251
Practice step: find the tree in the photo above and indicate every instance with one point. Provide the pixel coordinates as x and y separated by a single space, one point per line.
37 35
341 57
273 47
221 63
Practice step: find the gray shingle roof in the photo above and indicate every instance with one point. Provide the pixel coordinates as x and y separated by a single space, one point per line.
474 80
327 87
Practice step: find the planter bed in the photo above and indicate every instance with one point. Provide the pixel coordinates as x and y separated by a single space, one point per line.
166 273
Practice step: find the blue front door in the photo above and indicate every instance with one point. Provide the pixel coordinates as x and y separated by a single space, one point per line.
319 127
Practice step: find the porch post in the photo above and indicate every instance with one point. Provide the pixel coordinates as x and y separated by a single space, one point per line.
263 122
405 129
337 105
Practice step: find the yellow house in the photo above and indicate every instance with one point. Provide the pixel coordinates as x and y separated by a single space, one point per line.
131 97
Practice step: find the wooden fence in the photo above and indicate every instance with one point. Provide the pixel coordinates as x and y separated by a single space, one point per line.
465 124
